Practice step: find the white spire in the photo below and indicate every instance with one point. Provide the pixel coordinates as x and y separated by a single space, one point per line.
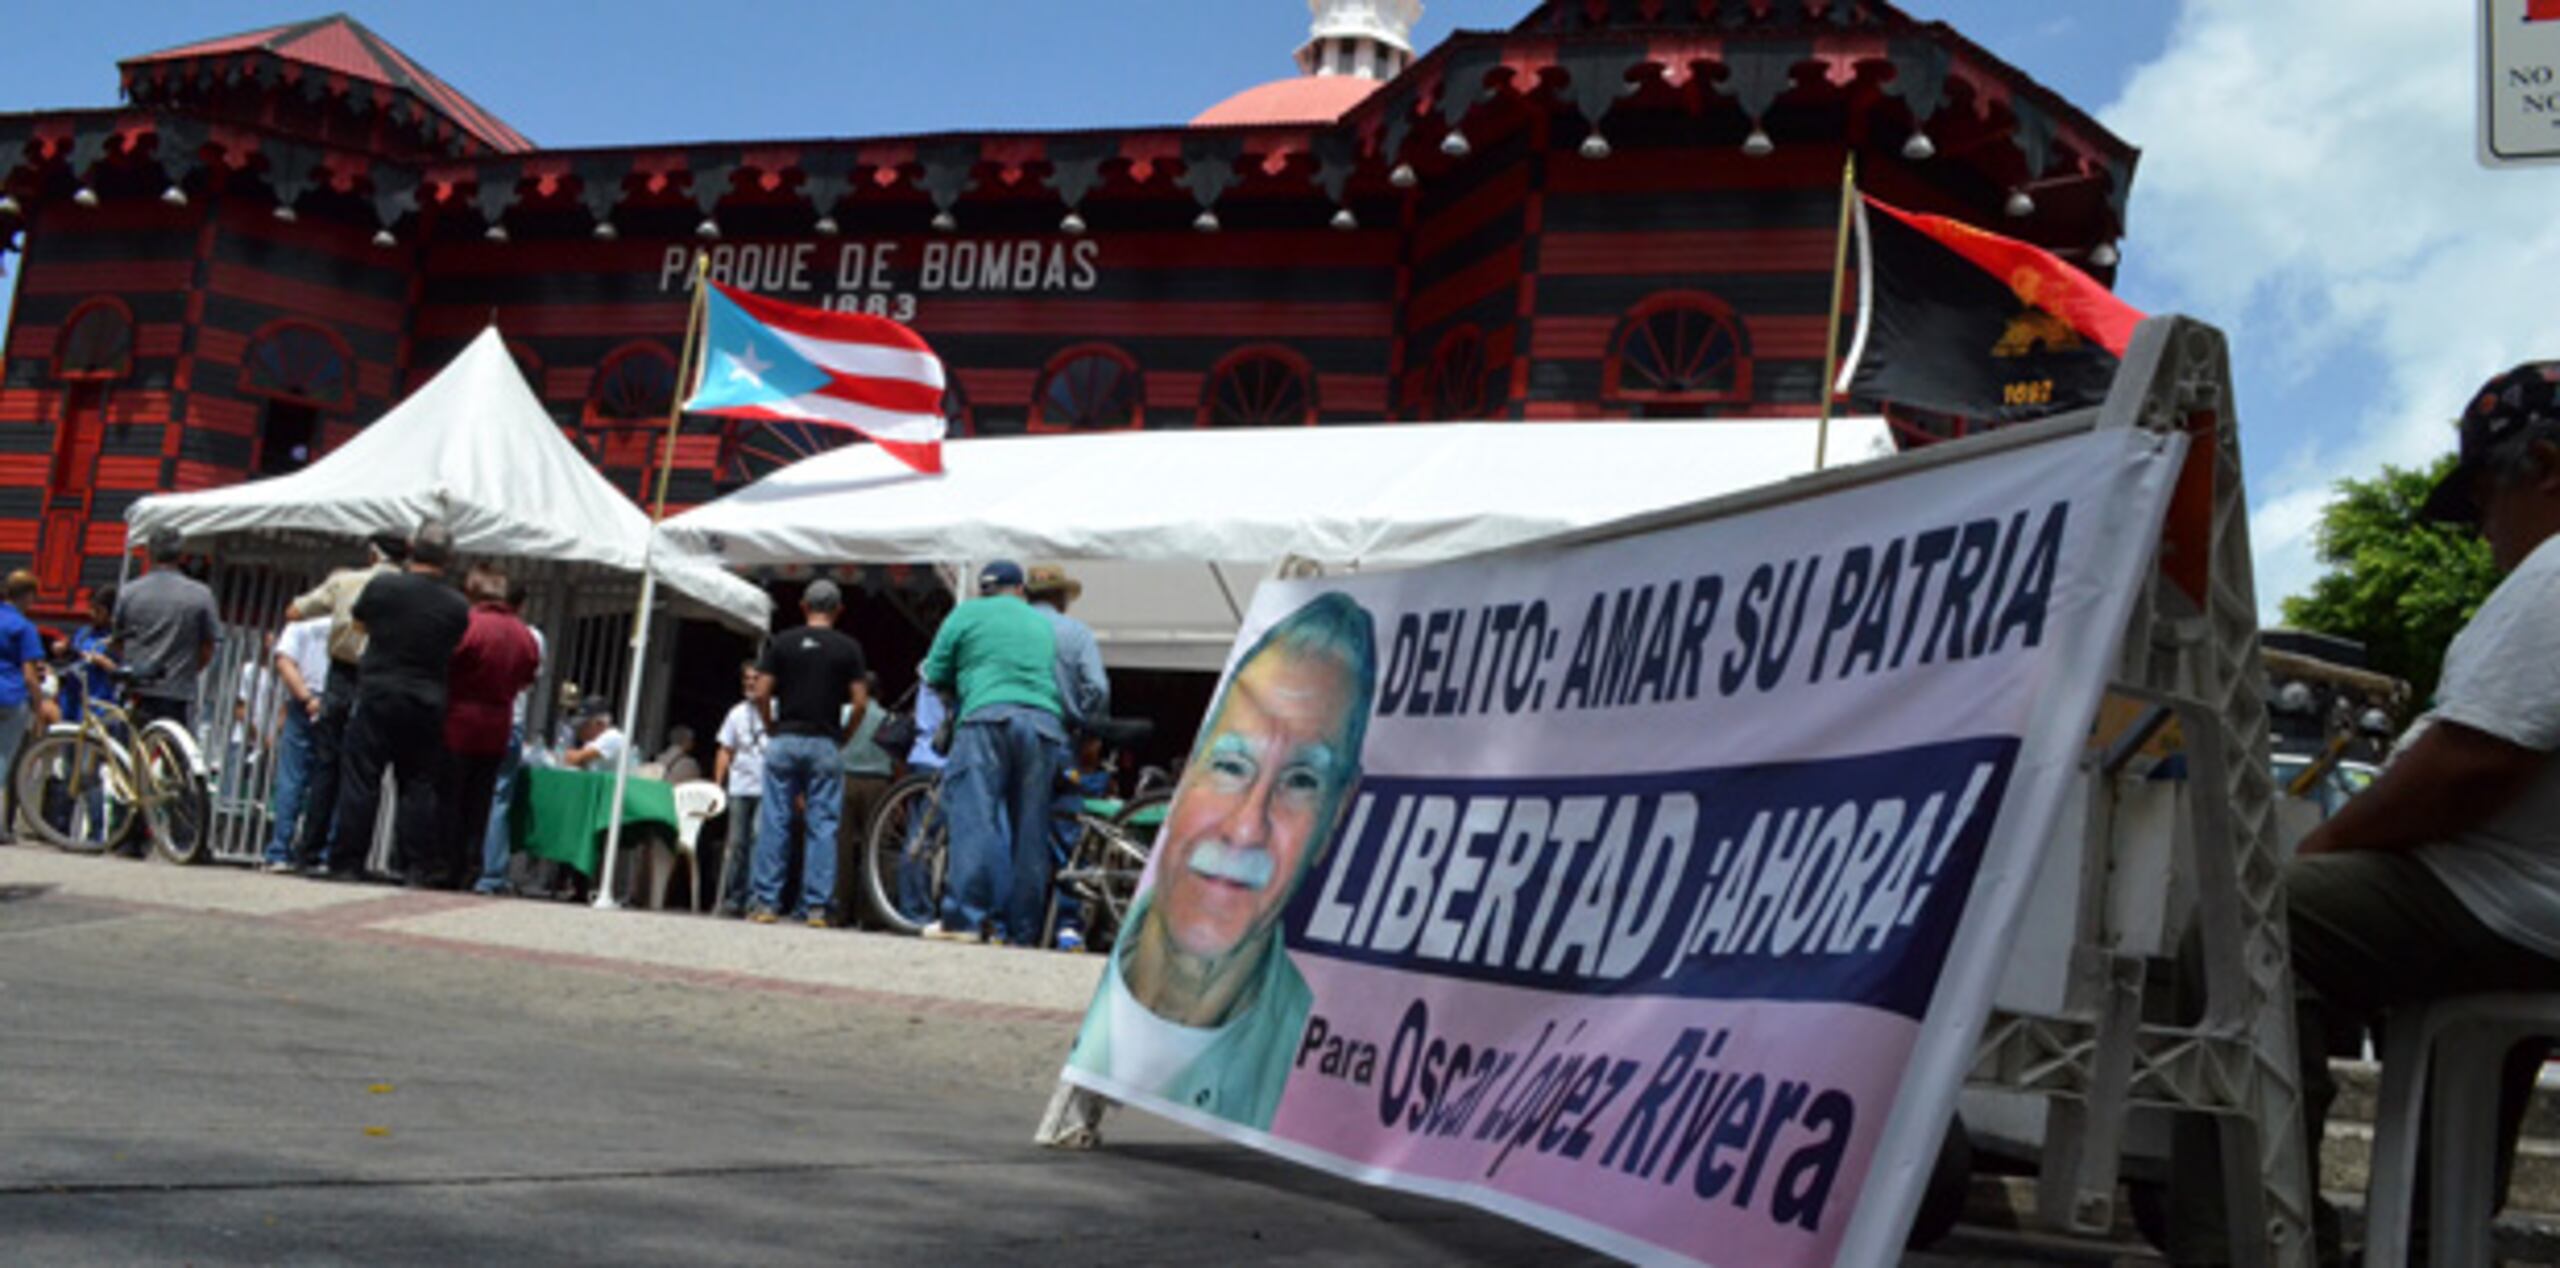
1370 39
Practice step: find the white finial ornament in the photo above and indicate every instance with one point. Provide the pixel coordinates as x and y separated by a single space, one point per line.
1369 39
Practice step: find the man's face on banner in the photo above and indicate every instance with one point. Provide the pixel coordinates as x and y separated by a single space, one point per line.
1259 799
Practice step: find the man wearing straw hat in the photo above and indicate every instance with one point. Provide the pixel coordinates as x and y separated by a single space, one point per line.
1084 695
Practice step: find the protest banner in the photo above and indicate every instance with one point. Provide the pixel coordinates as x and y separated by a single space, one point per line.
1650 890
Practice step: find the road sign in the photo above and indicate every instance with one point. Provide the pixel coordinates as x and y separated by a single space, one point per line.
2519 82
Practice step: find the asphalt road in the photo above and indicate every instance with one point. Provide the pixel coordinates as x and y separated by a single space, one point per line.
185 1087
204 1065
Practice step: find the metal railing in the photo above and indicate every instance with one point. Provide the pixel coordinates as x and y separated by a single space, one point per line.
585 621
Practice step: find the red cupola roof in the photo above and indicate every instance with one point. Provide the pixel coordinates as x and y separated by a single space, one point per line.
1298 99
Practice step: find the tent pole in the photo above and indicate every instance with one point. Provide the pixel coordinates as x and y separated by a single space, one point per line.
637 670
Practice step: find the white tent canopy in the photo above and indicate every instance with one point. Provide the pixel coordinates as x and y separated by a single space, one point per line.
474 448
1170 531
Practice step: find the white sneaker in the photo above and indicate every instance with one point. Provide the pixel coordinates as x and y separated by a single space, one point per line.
936 933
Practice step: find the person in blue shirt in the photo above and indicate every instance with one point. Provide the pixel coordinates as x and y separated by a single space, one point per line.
915 882
1084 692
22 698
93 651
931 710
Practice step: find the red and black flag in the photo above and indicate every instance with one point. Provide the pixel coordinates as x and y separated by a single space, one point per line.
1958 321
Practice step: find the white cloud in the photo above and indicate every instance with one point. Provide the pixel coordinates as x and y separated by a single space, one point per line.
2308 183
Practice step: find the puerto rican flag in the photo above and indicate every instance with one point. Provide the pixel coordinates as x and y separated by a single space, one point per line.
779 362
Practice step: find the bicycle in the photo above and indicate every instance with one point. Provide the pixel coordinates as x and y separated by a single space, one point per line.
84 786
906 856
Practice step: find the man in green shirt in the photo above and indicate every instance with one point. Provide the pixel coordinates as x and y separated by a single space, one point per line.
997 654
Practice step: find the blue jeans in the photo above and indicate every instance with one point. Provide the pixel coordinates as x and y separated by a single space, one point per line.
294 754
498 845
808 769
996 792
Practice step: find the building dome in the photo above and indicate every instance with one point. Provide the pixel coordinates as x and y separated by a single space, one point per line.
1298 99
1352 47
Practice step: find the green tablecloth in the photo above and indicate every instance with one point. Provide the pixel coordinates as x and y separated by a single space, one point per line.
562 814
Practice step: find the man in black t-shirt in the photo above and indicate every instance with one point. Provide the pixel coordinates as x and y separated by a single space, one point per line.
413 621
809 675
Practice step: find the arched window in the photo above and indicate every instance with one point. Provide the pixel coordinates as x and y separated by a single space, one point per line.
633 389
96 344
626 410
1092 387
299 362
1679 347
303 371
1461 386
1259 387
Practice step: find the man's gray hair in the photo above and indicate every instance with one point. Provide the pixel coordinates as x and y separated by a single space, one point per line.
1333 627
432 545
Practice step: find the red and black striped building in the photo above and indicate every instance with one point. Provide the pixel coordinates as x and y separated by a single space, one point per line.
1615 208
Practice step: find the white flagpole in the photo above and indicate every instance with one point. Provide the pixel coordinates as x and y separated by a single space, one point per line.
685 374
1831 340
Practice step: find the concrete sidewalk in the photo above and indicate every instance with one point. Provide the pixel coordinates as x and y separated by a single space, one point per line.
674 946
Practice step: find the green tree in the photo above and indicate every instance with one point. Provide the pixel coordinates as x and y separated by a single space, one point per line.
2400 585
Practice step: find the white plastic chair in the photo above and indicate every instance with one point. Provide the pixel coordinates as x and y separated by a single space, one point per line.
2453 1049
697 803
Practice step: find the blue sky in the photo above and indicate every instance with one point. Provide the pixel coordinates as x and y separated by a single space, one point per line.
656 71
2306 182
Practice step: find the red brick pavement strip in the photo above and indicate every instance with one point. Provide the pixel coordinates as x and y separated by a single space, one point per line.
360 920
359 912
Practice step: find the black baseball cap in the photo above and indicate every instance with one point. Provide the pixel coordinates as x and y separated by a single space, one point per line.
2500 411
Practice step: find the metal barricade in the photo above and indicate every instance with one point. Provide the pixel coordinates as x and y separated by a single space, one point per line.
240 702
586 628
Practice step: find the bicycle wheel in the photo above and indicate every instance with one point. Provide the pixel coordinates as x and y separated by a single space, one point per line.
177 798
906 857
1111 858
72 794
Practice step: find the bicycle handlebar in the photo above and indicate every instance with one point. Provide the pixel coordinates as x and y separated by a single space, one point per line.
1119 732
